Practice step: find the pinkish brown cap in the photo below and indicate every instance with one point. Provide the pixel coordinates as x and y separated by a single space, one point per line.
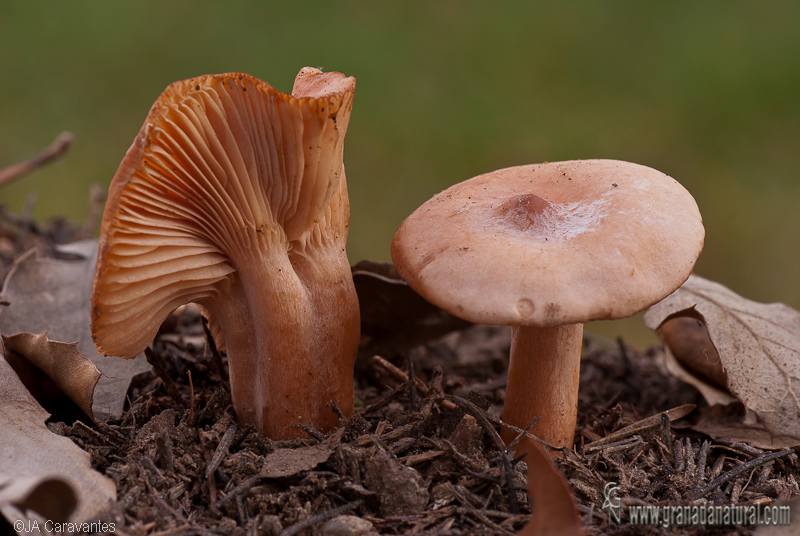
551 244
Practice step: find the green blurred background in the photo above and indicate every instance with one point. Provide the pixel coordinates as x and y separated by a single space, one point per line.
708 92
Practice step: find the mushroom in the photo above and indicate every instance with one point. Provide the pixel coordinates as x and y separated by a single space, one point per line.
233 196
544 248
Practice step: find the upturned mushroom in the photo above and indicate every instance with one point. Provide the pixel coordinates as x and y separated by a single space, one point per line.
233 196
544 248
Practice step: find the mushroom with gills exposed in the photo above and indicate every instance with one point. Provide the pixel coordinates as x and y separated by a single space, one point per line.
233 196
544 248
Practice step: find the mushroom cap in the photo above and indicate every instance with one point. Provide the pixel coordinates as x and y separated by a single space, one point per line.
223 167
551 244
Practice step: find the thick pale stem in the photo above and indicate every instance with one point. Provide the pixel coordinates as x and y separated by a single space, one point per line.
543 377
291 330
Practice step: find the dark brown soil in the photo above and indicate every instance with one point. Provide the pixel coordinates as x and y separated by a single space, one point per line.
411 460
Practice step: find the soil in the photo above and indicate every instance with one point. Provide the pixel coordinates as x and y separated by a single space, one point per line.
411 460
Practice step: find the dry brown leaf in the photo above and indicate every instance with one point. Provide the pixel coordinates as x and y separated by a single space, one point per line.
554 510
288 462
52 295
71 371
733 422
30 453
392 314
759 345
51 497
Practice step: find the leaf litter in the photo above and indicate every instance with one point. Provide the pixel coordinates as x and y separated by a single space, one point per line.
417 456
756 345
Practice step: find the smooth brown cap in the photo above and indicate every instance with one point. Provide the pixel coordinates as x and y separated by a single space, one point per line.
551 244
224 165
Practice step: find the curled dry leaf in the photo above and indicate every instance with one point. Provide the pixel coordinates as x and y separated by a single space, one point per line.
732 422
690 356
71 371
51 497
554 510
35 463
52 295
758 345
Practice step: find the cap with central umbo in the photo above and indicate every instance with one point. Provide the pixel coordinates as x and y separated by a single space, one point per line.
544 248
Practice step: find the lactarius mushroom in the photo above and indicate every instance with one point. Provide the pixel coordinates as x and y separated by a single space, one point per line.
233 196
545 248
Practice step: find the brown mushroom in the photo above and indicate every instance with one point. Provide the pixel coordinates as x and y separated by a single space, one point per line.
545 248
233 196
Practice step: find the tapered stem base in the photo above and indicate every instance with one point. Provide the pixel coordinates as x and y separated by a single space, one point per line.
291 330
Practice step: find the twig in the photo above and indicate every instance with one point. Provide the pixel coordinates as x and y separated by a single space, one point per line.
221 450
481 417
246 484
736 471
700 472
515 442
411 376
494 420
53 151
322 516
644 424
191 398
474 511
434 392
399 375
313 432
338 411
211 345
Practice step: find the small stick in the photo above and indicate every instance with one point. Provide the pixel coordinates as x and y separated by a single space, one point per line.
736 471
474 511
515 442
241 436
434 393
212 347
338 411
322 516
313 432
212 482
399 375
222 450
411 376
701 461
53 151
644 424
246 484
191 398
480 415
666 431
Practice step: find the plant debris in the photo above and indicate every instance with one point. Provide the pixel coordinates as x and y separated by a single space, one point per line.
416 457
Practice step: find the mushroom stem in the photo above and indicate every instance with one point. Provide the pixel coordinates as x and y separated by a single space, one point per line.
543 378
291 330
